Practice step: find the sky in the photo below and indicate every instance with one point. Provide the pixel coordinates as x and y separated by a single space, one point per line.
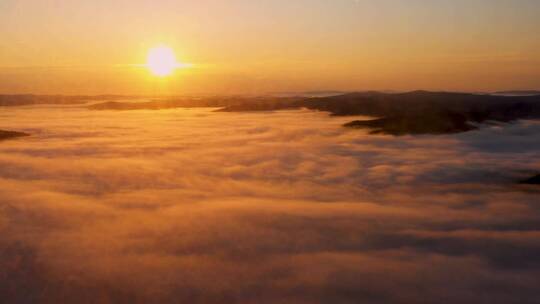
261 46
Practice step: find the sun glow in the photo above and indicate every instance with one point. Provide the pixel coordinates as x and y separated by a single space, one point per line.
161 61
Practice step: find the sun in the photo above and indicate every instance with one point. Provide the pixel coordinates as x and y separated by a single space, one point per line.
161 61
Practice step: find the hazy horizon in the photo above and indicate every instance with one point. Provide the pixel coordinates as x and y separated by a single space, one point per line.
308 93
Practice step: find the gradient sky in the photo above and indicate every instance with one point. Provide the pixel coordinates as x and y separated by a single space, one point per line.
256 46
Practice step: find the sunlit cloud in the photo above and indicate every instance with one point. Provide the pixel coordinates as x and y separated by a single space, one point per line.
170 204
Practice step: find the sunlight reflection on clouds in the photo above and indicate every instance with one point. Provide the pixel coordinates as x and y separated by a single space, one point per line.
171 205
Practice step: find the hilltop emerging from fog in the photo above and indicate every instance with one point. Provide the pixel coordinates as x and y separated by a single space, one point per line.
30 99
417 112
11 134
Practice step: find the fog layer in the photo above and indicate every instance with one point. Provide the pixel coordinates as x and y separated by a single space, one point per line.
196 206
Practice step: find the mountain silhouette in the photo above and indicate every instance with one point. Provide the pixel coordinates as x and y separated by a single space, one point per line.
417 112
535 180
518 93
11 134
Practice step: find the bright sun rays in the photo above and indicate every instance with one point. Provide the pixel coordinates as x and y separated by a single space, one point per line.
161 61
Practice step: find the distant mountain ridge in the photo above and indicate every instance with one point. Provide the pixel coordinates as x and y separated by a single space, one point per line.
535 180
518 93
30 99
11 134
416 112
257 103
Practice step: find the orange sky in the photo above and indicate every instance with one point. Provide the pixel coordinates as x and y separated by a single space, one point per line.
246 46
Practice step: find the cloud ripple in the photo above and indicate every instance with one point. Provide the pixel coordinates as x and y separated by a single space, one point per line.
195 206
